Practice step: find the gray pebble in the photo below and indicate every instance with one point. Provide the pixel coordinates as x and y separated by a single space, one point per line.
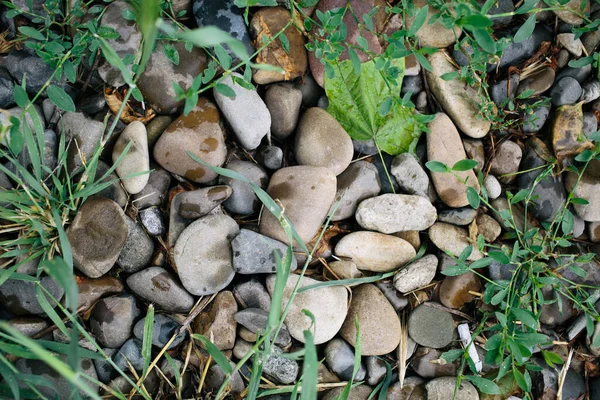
152 219
457 216
566 91
163 329
252 294
339 357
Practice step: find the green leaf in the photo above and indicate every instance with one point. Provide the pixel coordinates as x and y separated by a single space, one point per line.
113 59
223 57
418 21
59 270
436 166
215 353
464 165
484 40
60 98
484 385
473 197
448 76
147 339
285 43
210 36
355 101
500 257
355 60
567 222
474 21
20 95
32 33
225 90
526 29
452 355
171 53
582 62
526 317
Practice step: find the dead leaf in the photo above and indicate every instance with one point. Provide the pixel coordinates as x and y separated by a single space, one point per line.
325 245
568 139
114 99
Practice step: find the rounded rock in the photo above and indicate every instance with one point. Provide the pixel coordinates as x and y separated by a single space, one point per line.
417 274
430 326
358 182
566 91
157 285
452 239
283 101
243 200
391 213
112 320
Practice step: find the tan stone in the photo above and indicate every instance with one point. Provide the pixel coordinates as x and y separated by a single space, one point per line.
218 322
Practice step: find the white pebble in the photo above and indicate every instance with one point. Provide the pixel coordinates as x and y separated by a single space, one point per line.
492 186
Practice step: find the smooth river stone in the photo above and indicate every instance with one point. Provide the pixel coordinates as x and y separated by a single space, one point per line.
390 213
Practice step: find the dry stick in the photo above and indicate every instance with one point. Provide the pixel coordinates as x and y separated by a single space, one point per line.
563 375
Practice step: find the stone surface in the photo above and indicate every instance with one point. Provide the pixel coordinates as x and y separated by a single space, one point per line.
506 161
201 134
361 392
153 221
280 368
568 41
253 253
430 327
504 90
535 121
215 377
452 239
130 354
156 81
458 100
265 23
114 191
376 252
28 326
588 188
327 304
283 101
444 145
18 297
345 270
488 227
433 35
256 320
389 213
425 365
270 157
537 82
444 389
91 290
410 175
84 135
455 290
566 91
306 193
203 254
126 44
6 89
97 235
138 249
247 113
379 324
197 203
322 142
457 216
157 285
358 182
163 329
417 274
492 187
155 128
252 294
570 17
243 200
218 323
339 357
112 320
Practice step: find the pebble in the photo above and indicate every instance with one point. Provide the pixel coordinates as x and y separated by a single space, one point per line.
411 237
389 213
591 91
433 35
590 124
126 44
376 252
218 324
452 239
252 294
256 320
500 91
455 290
203 254
571 17
311 91
215 377
201 134
501 272
506 161
104 369
247 113
475 151
226 16
136 160
535 121
345 270
28 326
176 222
18 297
410 175
155 128
579 74
424 363
328 305
26 63
457 99
492 187
444 145
445 388
339 357
112 320
376 370
416 274
396 299
283 101
243 200
538 82
138 249
198 203
558 310
281 369
457 216
130 354
322 142
6 89
270 157
515 53
91 290
572 45
361 392
488 227
158 286
152 219
412 85
588 188
566 91
83 133
358 182
306 193
253 253
411 65
379 324
163 329
265 23
430 327
412 389
97 235
114 191
156 83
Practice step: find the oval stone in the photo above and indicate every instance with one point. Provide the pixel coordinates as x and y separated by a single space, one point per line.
391 213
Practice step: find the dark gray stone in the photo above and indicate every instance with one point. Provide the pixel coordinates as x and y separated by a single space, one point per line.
18 297
499 90
339 357
104 370
430 326
412 84
501 272
153 220
386 185
138 249
7 88
396 299
574 386
114 191
458 216
163 329
35 11
534 122
311 91
579 74
253 253
26 63
252 294
515 53
243 199
270 157
130 353
155 191
112 319
566 91
364 147
500 7
92 104
255 320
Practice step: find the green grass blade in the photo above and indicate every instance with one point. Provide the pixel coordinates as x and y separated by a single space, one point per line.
8 372
215 353
281 276
48 309
32 147
58 269
64 349
347 282
257 368
147 342
310 368
357 354
65 246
